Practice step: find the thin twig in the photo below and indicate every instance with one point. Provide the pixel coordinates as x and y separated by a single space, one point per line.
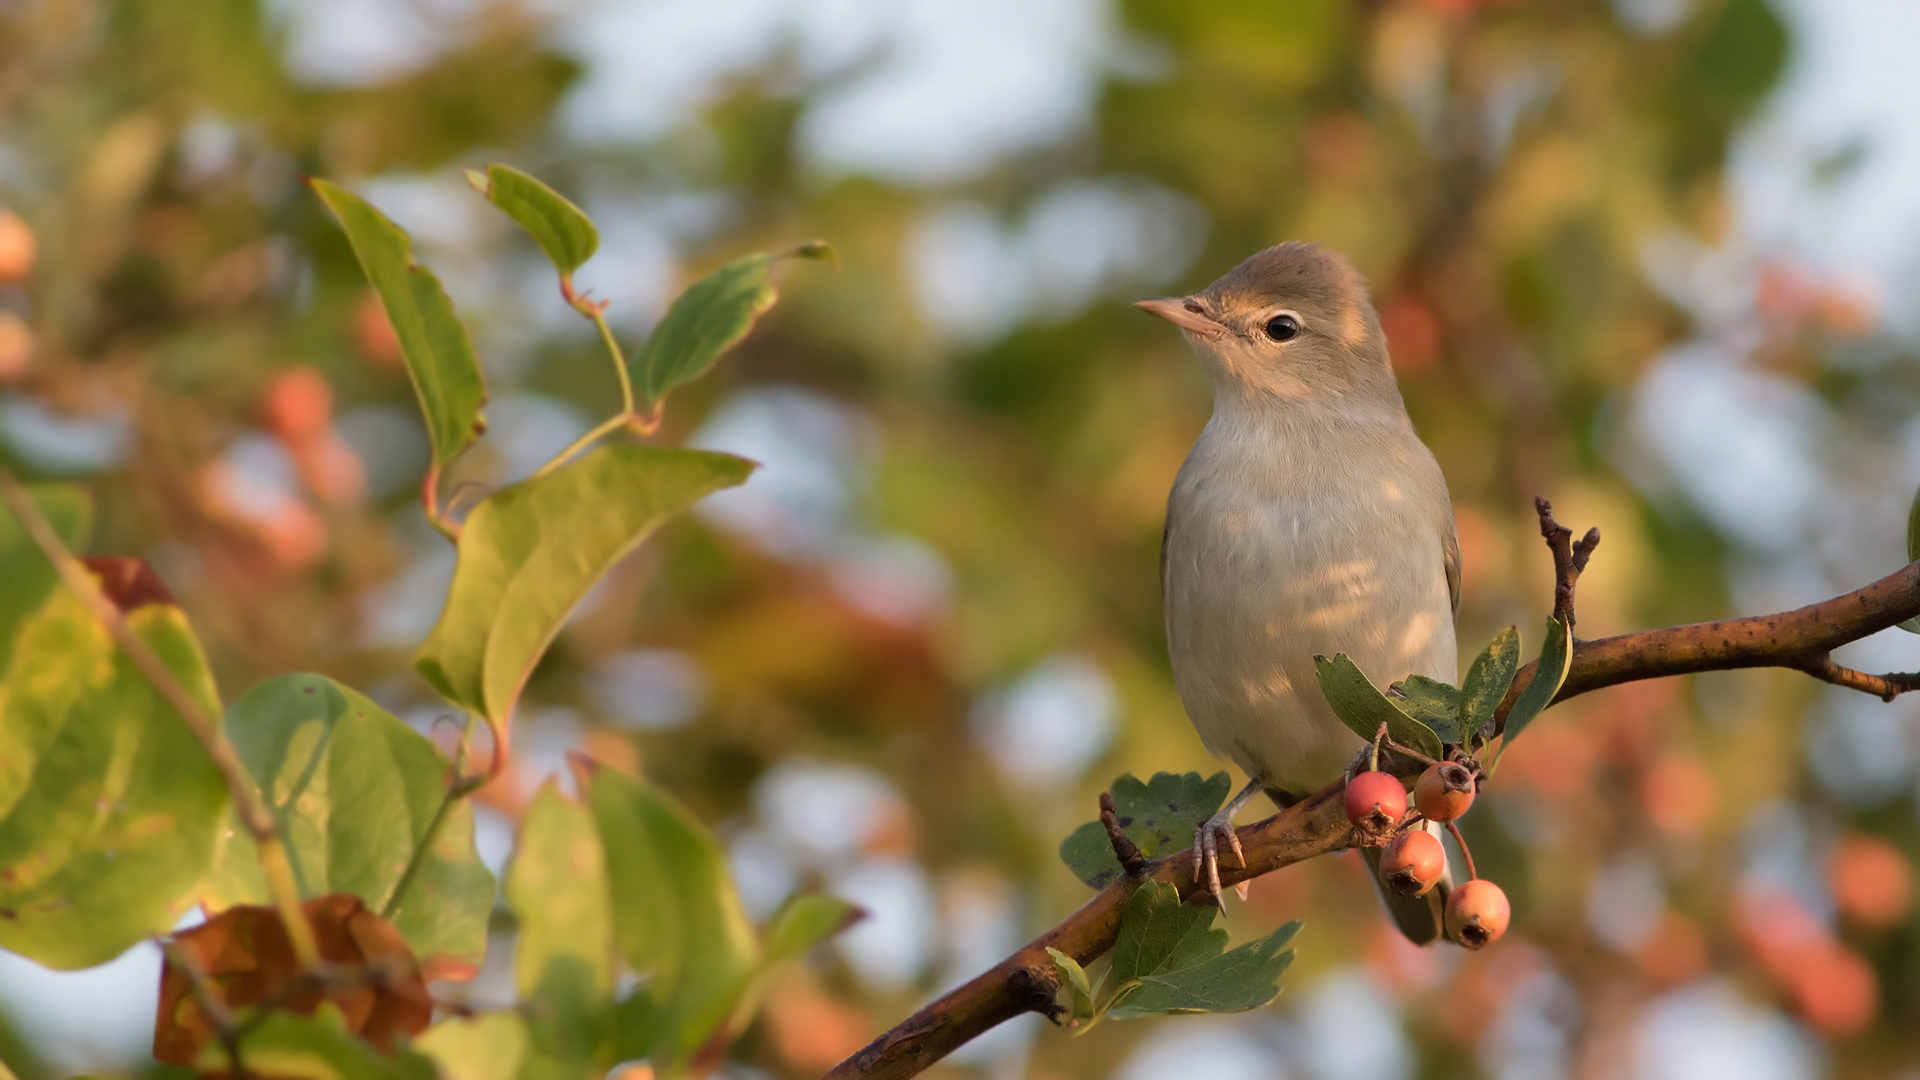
1885 687
254 813
459 786
1128 852
225 1030
1569 558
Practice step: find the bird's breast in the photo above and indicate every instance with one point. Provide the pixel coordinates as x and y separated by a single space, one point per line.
1275 555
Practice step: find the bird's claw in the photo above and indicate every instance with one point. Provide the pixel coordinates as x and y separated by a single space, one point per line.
1206 843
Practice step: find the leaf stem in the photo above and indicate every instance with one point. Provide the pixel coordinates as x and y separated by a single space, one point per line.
254 813
599 317
430 503
606 427
1465 852
459 786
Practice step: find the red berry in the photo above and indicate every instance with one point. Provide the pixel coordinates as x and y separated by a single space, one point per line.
1376 801
1413 862
1477 913
1444 791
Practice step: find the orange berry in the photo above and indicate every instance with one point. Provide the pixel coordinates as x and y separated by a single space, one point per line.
1477 914
1836 991
1444 791
1376 801
16 346
1413 863
17 248
1872 881
298 406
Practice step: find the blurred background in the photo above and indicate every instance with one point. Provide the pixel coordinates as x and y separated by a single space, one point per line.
1651 258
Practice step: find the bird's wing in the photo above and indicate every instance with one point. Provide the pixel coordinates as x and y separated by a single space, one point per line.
1449 557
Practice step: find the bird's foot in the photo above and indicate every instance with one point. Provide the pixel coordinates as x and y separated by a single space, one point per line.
1207 843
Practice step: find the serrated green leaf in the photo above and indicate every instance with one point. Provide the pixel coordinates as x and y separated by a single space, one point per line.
318 1047
355 790
439 356
1433 703
1362 707
1160 816
1488 679
707 320
529 552
1159 934
109 805
561 229
677 914
1074 978
1556 660
1912 625
563 959
1234 981
805 921
485 1047
26 577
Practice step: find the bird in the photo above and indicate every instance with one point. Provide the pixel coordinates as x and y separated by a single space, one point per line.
1308 519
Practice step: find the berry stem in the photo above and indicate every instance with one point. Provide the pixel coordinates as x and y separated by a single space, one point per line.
1373 762
1465 852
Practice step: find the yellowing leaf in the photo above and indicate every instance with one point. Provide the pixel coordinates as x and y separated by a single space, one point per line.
529 552
109 805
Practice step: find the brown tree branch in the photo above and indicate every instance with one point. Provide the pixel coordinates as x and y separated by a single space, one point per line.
1802 639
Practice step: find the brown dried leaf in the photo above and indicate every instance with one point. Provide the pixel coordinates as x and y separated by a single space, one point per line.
246 959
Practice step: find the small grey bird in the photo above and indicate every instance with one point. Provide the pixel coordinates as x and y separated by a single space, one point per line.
1308 519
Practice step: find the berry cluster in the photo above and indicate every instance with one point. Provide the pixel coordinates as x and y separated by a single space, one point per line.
1414 862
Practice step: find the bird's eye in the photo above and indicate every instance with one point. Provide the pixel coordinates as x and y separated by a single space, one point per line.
1282 327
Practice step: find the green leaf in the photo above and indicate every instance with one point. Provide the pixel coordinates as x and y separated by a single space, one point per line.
529 552
1159 934
1074 978
318 1047
1161 816
1912 625
1244 978
109 805
1361 706
561 229
1488 679
485 1047
806 921
355 791
1556 660
708 319
26 577
1433 703
677 913
440 359
563 959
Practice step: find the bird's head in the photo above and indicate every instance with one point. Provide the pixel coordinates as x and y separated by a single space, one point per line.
1292 322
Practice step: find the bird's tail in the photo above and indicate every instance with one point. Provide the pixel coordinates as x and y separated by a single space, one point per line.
1420 918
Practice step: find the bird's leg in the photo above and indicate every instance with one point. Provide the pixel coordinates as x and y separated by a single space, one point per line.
1206 842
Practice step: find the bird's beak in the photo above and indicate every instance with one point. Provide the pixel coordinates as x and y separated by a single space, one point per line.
1184 312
